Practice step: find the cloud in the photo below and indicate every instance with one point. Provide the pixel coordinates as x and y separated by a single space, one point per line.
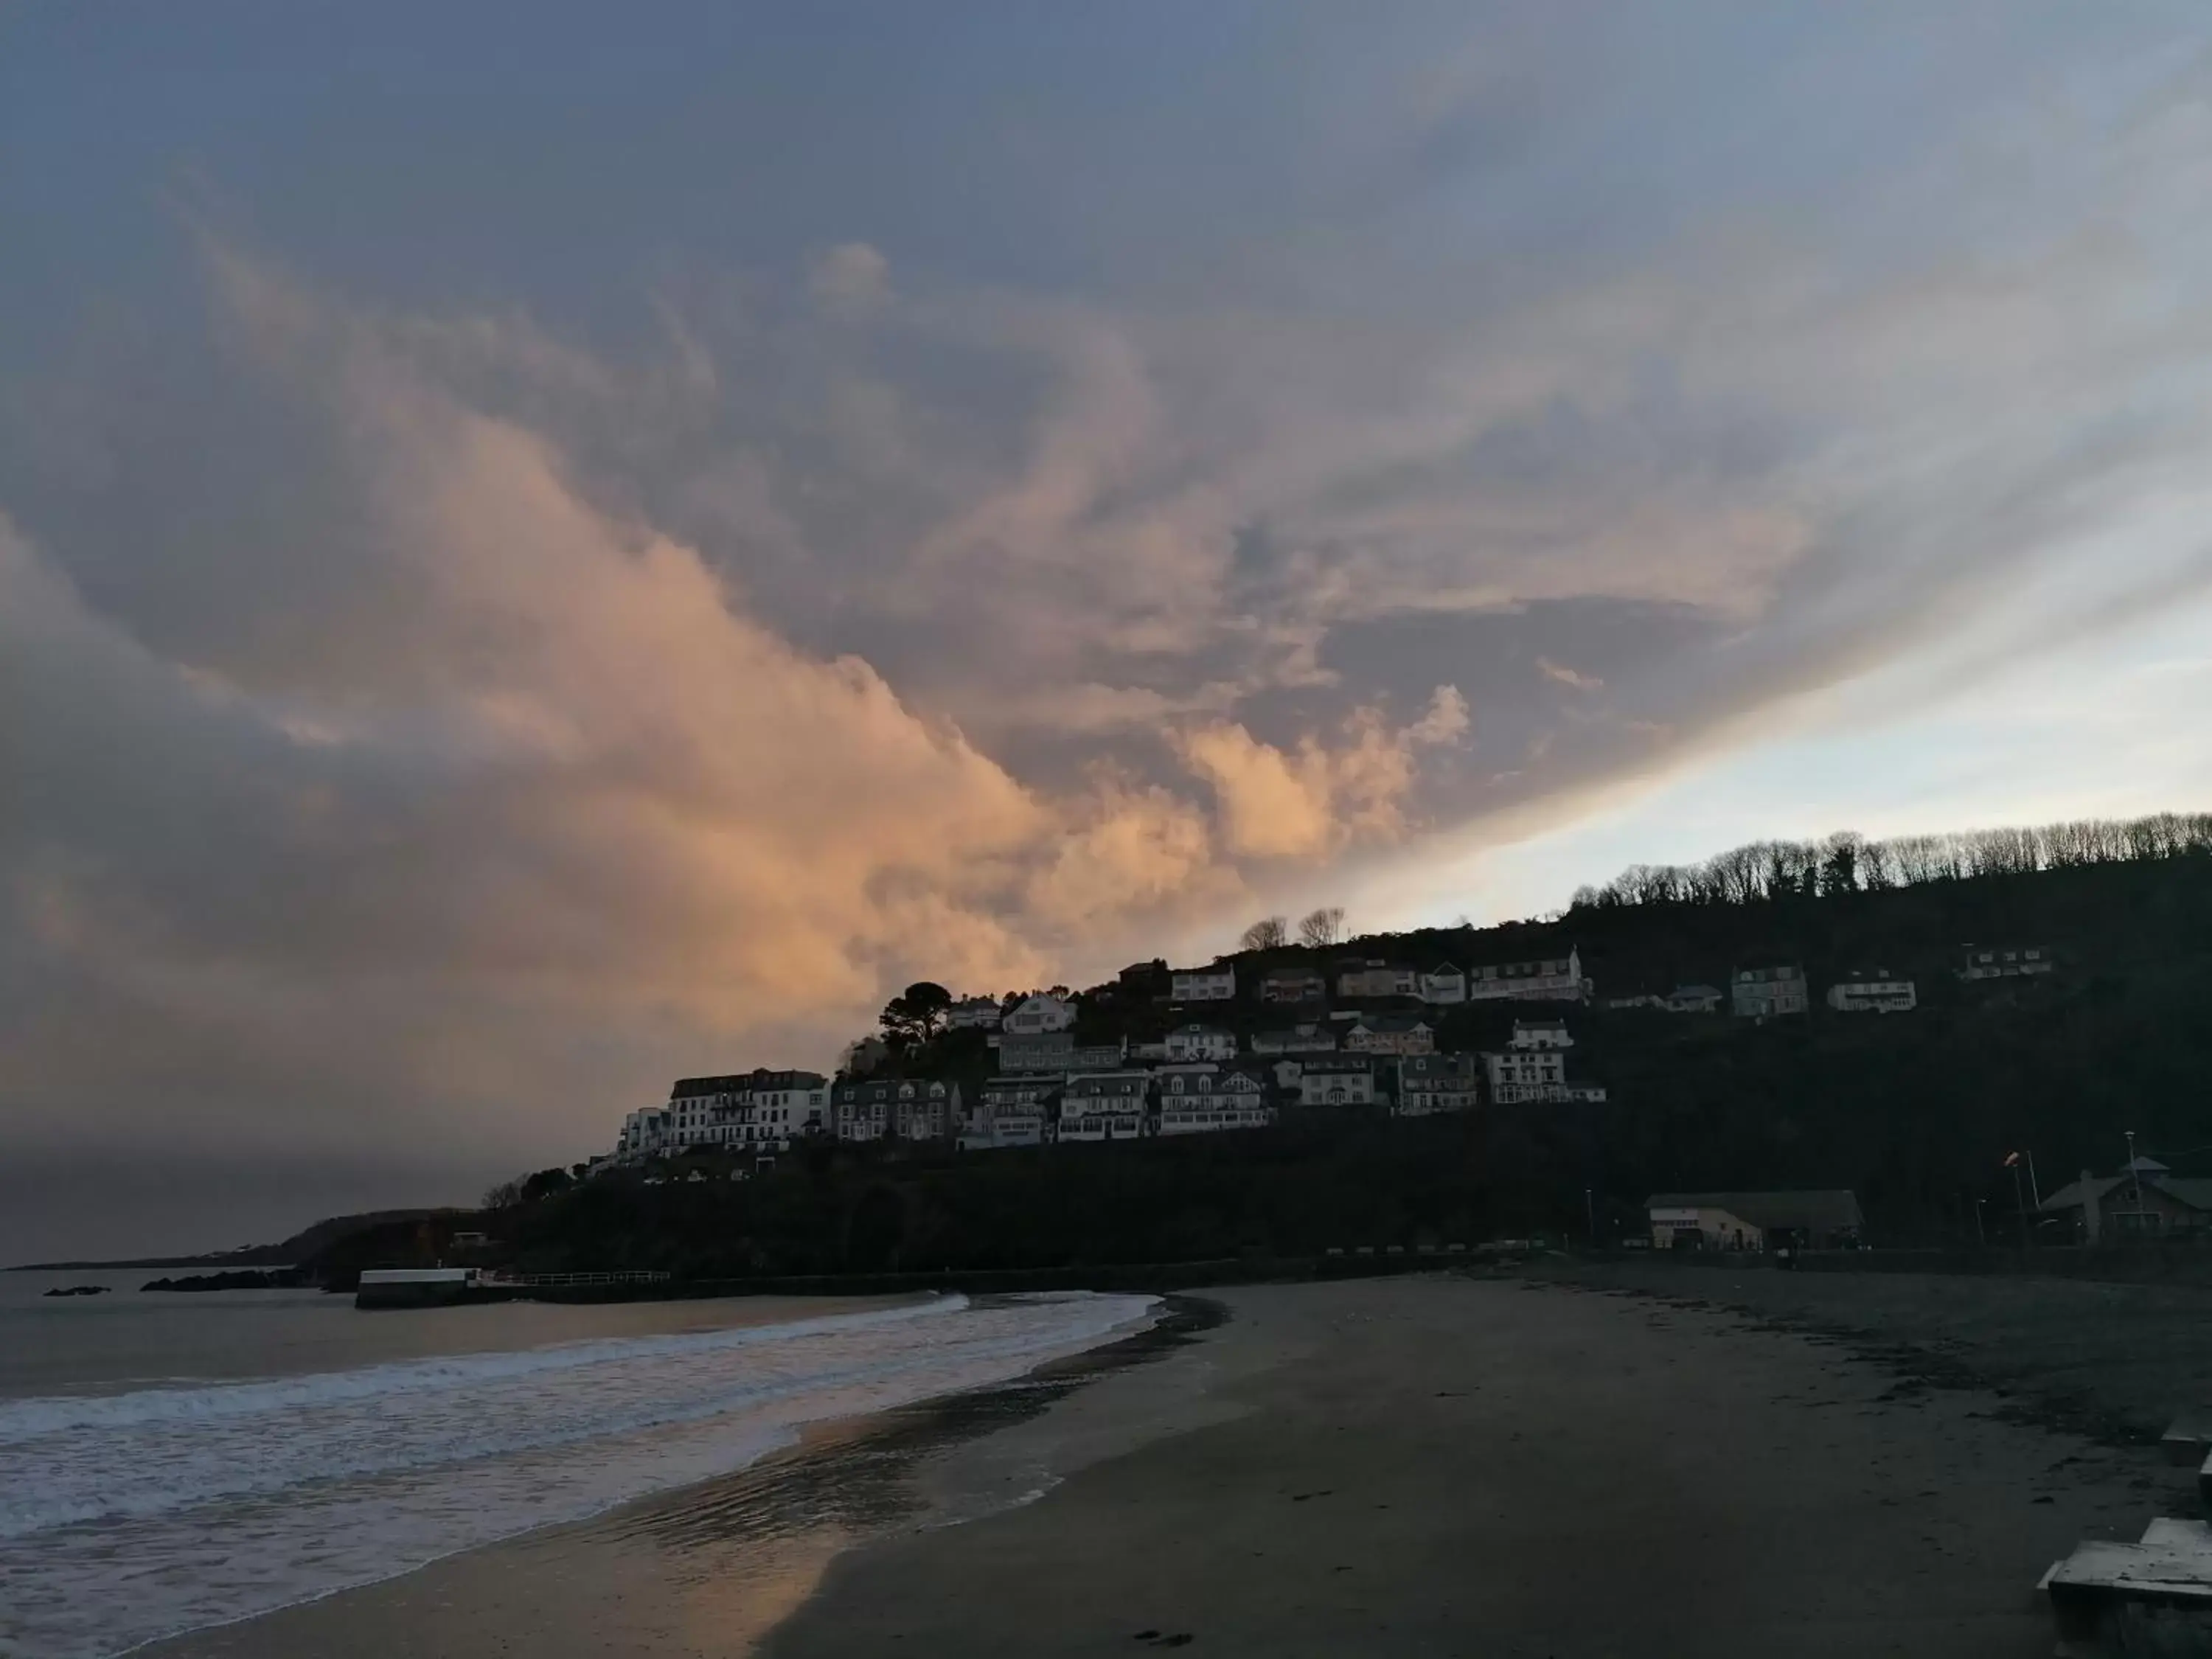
462 711
1560 674
851 278
531 810
1316 798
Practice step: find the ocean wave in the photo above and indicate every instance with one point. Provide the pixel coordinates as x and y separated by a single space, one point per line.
227 1500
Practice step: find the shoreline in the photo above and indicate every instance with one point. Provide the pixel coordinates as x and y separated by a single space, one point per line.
843 1480
1421 1466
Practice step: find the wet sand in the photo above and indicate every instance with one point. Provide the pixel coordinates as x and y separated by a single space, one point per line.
1440 1466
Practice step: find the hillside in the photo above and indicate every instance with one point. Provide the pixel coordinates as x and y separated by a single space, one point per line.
1915 1111
309 1246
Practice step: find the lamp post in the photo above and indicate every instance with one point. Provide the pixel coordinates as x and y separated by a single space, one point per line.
1981 1233
2019 1199
1589 1211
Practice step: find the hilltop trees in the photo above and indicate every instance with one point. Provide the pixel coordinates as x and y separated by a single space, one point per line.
1269 933
1322 927
1846 862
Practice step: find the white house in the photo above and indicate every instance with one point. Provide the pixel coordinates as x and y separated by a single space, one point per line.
1390 1034
2008 961
1436 1082
1538 1033
1202 1098
1879 991
1762 992
778 1105
1038 1013
1376 979
1337 1080
1442 984
1103 1106
1214 984
1534 1066
643 1133
1009 1111
1550 980
1292 984
974 1013
1201 1043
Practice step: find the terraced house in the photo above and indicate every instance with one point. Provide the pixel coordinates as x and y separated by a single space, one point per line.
1203 1098
1104 1106
1428 1084
901 1108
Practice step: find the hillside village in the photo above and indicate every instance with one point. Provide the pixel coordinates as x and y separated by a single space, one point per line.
1229 1046
1808 1017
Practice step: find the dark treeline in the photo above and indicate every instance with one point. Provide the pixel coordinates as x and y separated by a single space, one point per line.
1846 862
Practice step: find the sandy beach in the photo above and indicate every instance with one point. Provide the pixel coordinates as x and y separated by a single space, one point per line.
1422 1466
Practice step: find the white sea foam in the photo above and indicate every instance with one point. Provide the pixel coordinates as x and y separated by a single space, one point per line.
128 1516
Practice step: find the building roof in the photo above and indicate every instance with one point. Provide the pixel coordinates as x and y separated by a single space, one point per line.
1392 1022
1832 1210
2196 1194
689 1088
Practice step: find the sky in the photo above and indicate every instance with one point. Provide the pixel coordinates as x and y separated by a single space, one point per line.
544 549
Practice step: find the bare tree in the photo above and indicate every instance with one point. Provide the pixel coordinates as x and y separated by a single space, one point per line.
1266 934
1322 927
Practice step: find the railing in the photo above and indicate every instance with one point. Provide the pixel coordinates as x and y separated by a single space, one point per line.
639 1276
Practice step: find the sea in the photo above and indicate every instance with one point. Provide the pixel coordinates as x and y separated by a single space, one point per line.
174 1460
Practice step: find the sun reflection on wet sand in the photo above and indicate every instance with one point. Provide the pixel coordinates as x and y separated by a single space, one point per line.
708 1570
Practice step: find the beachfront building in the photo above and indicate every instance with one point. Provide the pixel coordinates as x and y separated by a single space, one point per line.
1554 979
2144 1200
1308 1039
1103 1106
1428 1083
1356 980
759 1109
1754 1221
1767 993
1038 1013
2005 962
1187 1042
895 1109
1337 1080
1202 1098
1292 983
1009 1111
1442 985
1214 984
975 1014
1390 1034
1877 992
